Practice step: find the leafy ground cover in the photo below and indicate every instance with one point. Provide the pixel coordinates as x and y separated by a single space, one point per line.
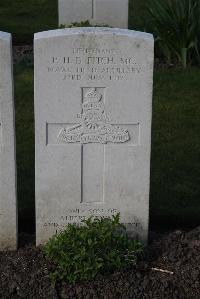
98 246
175 164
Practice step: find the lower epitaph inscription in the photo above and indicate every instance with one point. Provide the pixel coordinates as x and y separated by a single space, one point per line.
75 216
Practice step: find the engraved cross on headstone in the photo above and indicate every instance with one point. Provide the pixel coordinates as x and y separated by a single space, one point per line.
95 133
93 8
90 4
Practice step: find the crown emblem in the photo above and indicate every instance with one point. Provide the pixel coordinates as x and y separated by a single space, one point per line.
92 100
93 96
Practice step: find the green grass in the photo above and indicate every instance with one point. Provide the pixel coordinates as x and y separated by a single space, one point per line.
23 18
175 173
175 165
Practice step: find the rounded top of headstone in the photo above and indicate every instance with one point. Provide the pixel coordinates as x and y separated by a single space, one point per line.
5 36
93 30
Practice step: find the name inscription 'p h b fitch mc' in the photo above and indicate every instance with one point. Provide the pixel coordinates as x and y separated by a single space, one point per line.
94 134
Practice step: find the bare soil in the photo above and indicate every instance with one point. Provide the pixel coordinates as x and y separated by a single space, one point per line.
170 270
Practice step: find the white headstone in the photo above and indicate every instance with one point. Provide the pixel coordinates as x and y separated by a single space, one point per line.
113 13
93 101
8 219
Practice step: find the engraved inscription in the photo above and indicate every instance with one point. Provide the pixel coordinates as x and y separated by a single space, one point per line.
76 215
96 64
94 126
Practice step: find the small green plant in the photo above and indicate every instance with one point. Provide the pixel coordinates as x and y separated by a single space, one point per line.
98 246
76 24
176 26
81 24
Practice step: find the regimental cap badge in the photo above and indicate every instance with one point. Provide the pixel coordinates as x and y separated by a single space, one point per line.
94 126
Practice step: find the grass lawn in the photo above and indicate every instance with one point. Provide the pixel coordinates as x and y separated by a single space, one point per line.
25 17
175 173
175 170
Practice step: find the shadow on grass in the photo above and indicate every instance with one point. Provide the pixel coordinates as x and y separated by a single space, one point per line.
175 166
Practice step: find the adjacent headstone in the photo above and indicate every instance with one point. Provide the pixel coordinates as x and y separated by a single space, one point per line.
93 102
8 219
113 13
